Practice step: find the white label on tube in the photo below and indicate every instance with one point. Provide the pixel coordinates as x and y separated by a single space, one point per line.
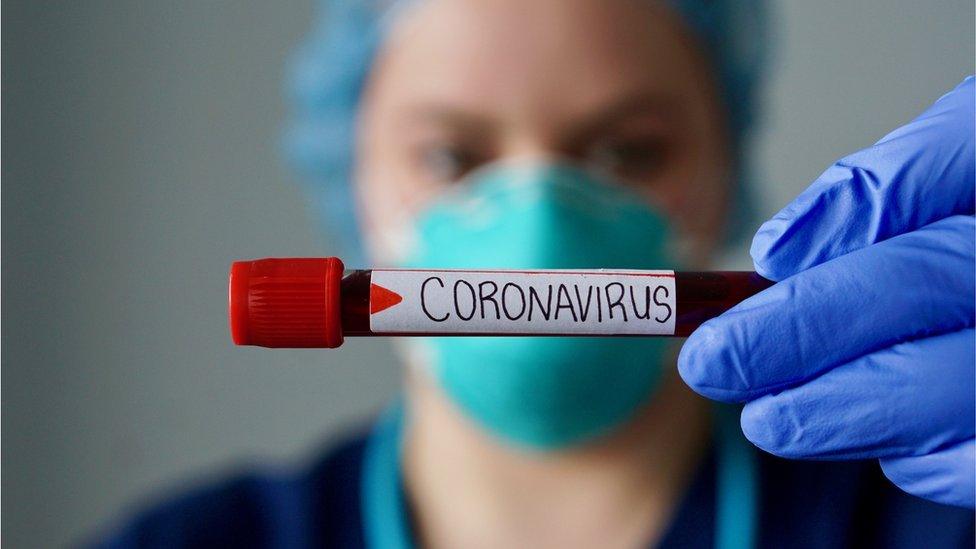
584 302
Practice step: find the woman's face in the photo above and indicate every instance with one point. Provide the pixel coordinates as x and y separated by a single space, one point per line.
615 84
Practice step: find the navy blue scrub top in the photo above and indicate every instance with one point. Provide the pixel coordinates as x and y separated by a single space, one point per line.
800 504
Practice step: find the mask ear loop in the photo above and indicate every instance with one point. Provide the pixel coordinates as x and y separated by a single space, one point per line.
384 507
736 495
736 483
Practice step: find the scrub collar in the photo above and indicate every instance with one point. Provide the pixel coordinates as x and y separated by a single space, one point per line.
386 520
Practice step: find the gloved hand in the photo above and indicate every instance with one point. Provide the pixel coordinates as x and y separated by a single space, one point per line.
865 347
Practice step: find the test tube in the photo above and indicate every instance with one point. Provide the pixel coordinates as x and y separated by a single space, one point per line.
316 302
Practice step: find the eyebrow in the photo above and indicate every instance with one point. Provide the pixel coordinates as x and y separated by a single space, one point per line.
614 112
459 118
600 120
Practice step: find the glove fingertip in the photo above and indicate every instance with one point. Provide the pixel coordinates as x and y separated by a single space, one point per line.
692 359
700 364
769 247
760 429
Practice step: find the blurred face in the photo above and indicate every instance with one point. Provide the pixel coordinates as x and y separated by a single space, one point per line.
617 85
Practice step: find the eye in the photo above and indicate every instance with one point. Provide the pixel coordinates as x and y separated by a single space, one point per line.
629 158
447 163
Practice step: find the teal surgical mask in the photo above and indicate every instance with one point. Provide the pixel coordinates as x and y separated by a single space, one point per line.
539 392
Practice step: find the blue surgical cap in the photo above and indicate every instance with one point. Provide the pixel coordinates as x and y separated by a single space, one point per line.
330 68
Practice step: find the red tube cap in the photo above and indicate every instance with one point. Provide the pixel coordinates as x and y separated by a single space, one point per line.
286 302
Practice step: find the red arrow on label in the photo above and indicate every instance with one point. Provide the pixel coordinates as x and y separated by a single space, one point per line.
380 298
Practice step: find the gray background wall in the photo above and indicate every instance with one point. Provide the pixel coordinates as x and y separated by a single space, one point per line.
139 159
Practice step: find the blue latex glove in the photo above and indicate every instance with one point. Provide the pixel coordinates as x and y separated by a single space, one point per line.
865 349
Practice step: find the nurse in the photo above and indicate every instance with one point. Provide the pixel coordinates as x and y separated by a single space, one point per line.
581 134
